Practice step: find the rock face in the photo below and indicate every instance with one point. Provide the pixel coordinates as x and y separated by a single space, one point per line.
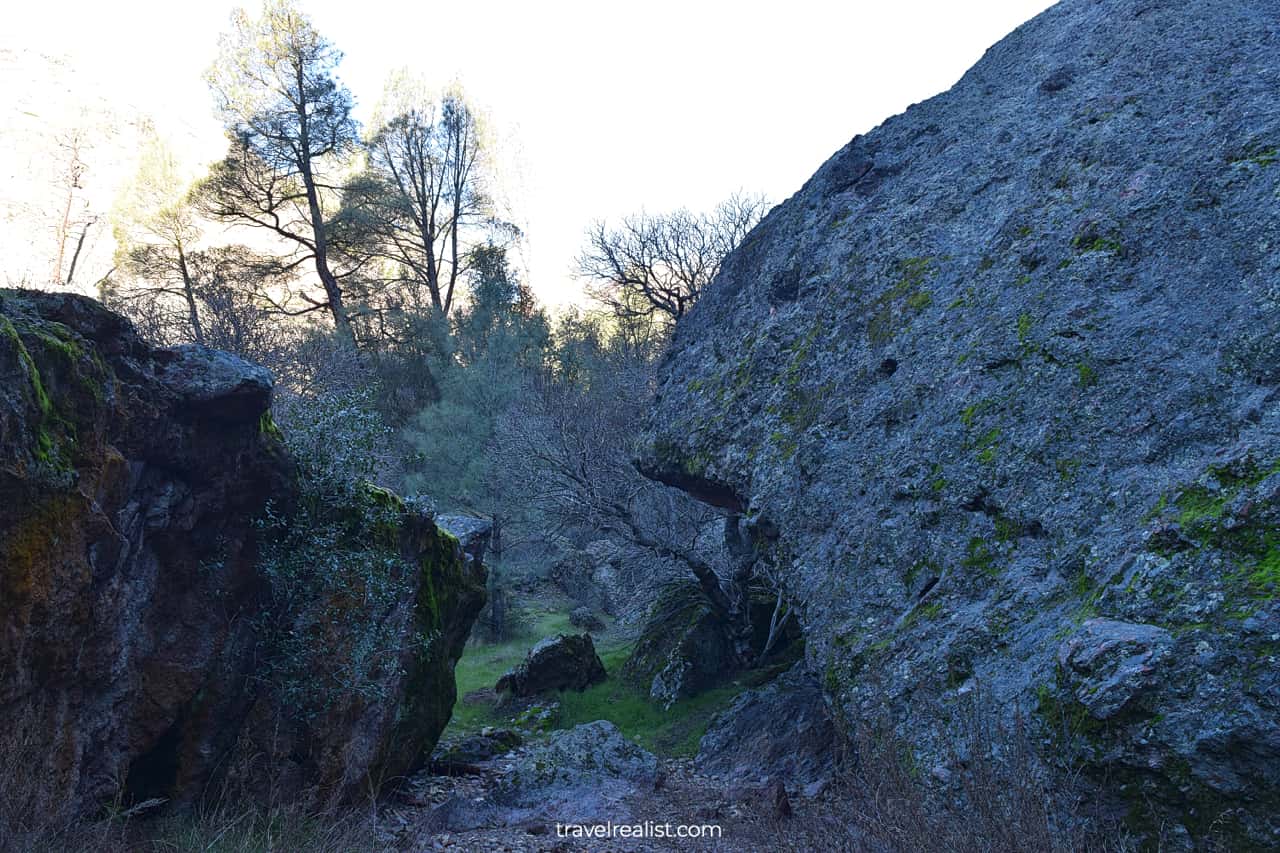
142 622
584 618
579 767
780 732
685 648
1008 364
563 662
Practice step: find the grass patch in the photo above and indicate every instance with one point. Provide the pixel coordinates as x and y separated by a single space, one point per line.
673 732
482 664
1264 578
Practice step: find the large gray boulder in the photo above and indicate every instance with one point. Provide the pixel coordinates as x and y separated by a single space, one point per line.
685 647
779 732
584 770
562 662
587 774
472 533
1008 364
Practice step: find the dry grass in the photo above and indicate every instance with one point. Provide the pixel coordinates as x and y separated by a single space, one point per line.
33 819
1000 798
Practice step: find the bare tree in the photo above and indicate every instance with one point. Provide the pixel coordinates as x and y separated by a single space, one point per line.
658 265
76 220
423 196
568 446
291 131
227 289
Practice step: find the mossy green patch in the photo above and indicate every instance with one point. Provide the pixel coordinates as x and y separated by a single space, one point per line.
54 434
1086 243
987 446
978 557
1024 326
1264 578
923 613
969 414
1257 155
267 427
919 300
905 297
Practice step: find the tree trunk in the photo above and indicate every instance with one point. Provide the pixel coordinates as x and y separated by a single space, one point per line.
188 291
495 538
498 613
742 558
341 322
776 622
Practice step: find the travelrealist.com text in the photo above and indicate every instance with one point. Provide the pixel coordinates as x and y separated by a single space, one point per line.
645 829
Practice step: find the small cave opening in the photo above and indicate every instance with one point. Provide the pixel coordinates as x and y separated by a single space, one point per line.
153 774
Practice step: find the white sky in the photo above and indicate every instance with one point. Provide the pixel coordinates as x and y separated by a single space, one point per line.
600 108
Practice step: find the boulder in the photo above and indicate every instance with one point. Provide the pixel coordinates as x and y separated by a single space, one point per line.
489 743
1006 364
144 634
684 647
781 733
1108 663
471 532
587 763
588 774
563 662
584 618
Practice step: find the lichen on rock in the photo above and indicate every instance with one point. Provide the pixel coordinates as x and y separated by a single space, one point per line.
987 372
146 500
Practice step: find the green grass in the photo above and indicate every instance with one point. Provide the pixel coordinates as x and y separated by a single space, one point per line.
482 664
673 732
1263 578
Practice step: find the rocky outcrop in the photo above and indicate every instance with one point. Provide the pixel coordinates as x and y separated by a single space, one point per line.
562 662
587 774
685 647
154 564
580 772
472 534
584 618
1007 365
781 732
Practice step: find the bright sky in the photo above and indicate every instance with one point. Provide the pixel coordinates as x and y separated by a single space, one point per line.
600 108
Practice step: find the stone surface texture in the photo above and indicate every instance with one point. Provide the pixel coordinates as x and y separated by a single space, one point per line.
136 626
1003 375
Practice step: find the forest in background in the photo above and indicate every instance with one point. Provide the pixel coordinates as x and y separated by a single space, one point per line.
372 272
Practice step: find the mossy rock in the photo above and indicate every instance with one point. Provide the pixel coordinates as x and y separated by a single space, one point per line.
685 647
